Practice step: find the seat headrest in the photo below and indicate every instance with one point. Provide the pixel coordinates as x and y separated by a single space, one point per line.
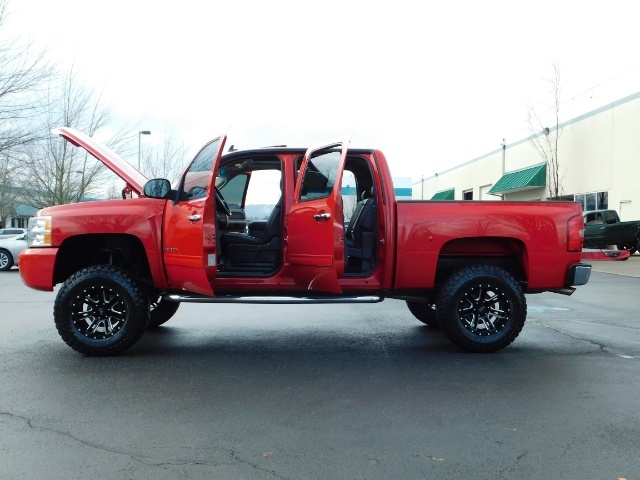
368 193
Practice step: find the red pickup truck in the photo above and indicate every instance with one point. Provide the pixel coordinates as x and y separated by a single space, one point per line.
125 265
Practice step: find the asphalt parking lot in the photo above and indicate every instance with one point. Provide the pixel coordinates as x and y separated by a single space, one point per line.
629 267
327 392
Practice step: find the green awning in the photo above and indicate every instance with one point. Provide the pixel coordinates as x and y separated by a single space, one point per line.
444 195
523 179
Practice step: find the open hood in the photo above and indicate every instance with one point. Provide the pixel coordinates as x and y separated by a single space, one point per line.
112 160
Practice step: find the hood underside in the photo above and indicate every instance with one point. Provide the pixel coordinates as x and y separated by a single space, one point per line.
112 160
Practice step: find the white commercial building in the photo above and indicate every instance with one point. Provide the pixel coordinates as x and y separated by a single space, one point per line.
599 165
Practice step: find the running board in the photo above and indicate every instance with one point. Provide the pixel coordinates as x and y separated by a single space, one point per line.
272 300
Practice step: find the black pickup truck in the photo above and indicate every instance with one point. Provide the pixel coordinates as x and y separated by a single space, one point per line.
603 228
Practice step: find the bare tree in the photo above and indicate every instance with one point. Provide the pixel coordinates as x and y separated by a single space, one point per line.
545 131
113 192
167 160
22 73
54 172
8 195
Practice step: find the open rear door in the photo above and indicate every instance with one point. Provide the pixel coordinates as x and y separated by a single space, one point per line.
315 230
189 239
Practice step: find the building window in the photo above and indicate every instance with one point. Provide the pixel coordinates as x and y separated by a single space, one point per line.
468 195
593 201
602 200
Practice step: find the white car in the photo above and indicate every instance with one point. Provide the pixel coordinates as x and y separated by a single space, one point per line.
10 248
10 232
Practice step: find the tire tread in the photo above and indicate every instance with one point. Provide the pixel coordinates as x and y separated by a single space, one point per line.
450 325
136 324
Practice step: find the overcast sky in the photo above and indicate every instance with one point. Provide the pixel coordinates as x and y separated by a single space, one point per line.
432 84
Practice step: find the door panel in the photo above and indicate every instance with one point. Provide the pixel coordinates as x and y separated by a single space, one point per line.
189 240
315 231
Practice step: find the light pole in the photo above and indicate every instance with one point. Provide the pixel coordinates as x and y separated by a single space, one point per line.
140 133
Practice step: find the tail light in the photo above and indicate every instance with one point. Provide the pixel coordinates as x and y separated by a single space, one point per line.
575 233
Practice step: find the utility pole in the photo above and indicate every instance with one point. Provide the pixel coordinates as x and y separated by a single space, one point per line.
140 133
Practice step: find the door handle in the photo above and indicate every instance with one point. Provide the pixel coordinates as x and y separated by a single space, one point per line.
601 228
322 216
194 218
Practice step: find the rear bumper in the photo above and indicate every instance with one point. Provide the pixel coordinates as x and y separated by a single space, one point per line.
578 274
36 267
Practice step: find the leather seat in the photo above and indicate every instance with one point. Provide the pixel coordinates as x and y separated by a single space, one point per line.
260 248
360 234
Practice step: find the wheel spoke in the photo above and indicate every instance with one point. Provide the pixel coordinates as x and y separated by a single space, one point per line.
95 324
467 310
491 300
84 314
109 326
501 314
89 299
489 326
114 306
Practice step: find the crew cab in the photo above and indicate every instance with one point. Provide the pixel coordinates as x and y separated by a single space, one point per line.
603 228
126 265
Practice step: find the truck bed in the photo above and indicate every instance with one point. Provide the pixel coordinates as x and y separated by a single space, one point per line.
433 234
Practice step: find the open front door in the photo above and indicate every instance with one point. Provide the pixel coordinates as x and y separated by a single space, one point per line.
315 229
189 240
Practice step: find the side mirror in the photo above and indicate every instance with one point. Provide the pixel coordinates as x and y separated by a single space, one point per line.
157 188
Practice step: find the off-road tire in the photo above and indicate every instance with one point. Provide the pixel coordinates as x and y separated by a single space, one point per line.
481 308
6 260
425 312
101 310
160 311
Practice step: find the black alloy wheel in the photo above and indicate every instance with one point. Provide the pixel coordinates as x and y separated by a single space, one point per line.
161 311
425 312
101 310
481 308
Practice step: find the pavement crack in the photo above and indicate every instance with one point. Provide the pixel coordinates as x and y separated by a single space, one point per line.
601 346
235 455
501 473
32 426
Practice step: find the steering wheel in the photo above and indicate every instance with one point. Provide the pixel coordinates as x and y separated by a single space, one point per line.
220 201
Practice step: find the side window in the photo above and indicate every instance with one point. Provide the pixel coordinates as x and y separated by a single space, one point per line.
233 190
320 175
609 218
265 187
349 192
594 219
198 176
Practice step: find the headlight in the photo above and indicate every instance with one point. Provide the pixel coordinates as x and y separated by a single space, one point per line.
40 232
